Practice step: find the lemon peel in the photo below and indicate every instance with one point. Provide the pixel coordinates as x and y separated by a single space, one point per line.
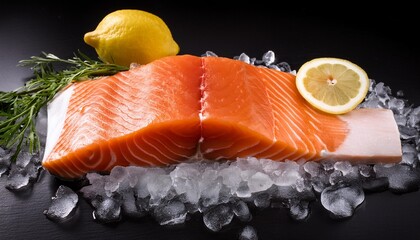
131 36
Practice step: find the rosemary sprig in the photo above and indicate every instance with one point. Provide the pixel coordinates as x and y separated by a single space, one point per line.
19 108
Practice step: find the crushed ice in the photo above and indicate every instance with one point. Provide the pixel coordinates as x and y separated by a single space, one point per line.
227 191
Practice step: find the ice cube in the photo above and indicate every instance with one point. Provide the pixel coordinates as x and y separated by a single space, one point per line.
18 179
108 210
248 233
63 204
217 217
402 178
268 58
171 213
241 210
342 199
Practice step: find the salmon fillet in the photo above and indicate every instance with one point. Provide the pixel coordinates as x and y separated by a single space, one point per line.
169 110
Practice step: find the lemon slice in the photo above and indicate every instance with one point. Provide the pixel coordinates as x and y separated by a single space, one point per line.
332 85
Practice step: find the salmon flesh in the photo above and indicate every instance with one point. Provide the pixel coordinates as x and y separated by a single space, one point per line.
177 107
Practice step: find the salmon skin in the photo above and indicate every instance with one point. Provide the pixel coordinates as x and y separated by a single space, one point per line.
176 107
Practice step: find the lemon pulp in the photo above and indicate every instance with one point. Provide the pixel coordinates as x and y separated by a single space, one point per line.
332 85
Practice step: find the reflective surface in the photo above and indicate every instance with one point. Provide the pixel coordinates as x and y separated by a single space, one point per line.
381 44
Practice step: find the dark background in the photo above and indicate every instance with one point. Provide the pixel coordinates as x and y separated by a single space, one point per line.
381 39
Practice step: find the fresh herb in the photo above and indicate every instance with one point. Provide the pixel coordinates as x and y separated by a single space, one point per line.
19 108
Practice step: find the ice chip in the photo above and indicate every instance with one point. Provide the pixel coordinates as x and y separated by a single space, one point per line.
244 58
41 125
400 119
408 132
284 67
231 177
299 210
23 158
414 117
171 213
259 182
185 180
63 204
269 58
209 54
158 186
312 167
262 200
344 167
382 92
130 206
108 210
336 177
4 161
341 200
217 217
402 178
410 158
318 184
248 233
396 105
287 174
366 170
210 193
241 210
243 190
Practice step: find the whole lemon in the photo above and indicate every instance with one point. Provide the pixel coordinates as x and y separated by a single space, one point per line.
131 36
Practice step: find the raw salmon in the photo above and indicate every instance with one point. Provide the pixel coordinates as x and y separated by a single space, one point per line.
169 110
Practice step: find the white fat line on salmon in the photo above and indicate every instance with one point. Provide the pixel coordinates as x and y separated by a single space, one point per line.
139 149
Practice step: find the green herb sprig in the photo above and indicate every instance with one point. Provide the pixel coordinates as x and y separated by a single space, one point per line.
19 108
